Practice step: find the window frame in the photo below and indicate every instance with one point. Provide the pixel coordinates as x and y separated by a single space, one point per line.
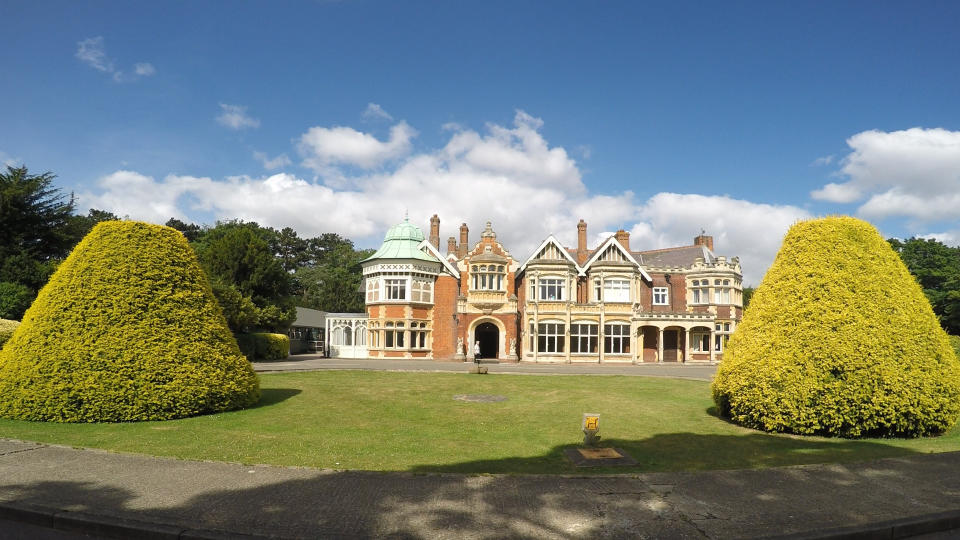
616 342
590 338
665 292
551 332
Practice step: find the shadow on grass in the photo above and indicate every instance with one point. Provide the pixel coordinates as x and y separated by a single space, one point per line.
692 452
272 396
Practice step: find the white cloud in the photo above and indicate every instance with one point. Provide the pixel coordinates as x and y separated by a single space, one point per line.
144 69
838 193
912 173
950 238
270 164
376 112
508 175
92 52
825 160
235 117
325 147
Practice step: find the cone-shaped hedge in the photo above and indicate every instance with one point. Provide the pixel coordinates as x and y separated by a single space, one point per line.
839 340
126 329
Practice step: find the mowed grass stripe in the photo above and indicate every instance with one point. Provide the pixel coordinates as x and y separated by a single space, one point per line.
390 421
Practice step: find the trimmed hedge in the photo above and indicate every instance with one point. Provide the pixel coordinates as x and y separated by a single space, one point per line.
839 340
264 346
6 330
127 329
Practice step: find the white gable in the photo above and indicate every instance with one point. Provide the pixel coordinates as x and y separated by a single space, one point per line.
427 247
551 250
612 251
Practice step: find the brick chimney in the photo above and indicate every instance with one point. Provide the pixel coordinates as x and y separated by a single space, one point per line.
452 245
581 242
464 246
435 231
703 240
624 238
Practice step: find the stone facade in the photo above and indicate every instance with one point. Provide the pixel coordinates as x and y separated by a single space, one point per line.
562 305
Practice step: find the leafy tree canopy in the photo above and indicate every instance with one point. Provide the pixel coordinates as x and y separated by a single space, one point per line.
937 268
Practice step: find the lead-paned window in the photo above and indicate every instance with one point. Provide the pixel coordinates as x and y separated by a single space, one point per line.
616 338
583 338
373 290
616 290
552 289
700 341
550 337
395 289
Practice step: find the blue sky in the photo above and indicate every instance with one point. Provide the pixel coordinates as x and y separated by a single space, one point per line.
340 116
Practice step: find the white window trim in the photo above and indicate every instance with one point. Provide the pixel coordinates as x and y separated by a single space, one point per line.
666 296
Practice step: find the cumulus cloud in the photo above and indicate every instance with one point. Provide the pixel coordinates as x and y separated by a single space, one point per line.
509 175
91 51
376 112
270 164
324 147
825 160
235 117
913 173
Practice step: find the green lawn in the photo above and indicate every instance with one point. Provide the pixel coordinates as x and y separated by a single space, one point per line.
409 422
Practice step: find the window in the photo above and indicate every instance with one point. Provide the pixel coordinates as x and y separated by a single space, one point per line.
583 338
716 292
597 290
396 289
696 292
487 277
660 297
552 289
700 341
399 338
550 337
726 291
616 290
388 335
421 291
616 338
418 335
718 342
373 290
533 337
726 327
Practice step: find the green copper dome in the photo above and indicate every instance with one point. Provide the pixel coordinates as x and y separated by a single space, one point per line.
401 242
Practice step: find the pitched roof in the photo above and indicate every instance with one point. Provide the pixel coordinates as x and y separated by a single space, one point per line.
674 257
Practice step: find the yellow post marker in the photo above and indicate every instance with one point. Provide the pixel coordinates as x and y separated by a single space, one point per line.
591 428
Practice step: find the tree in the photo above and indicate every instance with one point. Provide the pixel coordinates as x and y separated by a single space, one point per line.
747 296
14 300
34 218
127 329
839 340
191 231
937 268
236 254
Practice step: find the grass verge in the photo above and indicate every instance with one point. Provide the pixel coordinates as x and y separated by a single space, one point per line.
388 421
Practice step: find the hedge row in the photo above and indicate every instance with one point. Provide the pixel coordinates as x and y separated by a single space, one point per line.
264 346
6 330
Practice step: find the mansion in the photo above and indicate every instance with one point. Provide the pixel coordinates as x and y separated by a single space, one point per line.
608 304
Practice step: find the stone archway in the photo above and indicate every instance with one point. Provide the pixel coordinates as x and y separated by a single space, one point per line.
488 335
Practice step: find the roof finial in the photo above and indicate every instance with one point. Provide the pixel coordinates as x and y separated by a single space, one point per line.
406 214
703 231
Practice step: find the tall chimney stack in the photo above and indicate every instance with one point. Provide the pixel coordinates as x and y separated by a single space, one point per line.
581 242
624 238
435 231
703 240
451 245
463 240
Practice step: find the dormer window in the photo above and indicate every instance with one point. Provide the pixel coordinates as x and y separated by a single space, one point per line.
616 290
487 277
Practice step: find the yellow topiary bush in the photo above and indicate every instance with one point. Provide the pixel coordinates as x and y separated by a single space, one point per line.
264 346
127 329
839 340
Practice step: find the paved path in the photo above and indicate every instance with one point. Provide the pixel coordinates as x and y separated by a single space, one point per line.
123 495
312 362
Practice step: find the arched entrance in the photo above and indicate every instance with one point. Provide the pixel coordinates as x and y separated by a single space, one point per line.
489 337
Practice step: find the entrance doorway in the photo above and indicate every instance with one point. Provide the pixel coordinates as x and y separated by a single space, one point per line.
489 337
671 340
